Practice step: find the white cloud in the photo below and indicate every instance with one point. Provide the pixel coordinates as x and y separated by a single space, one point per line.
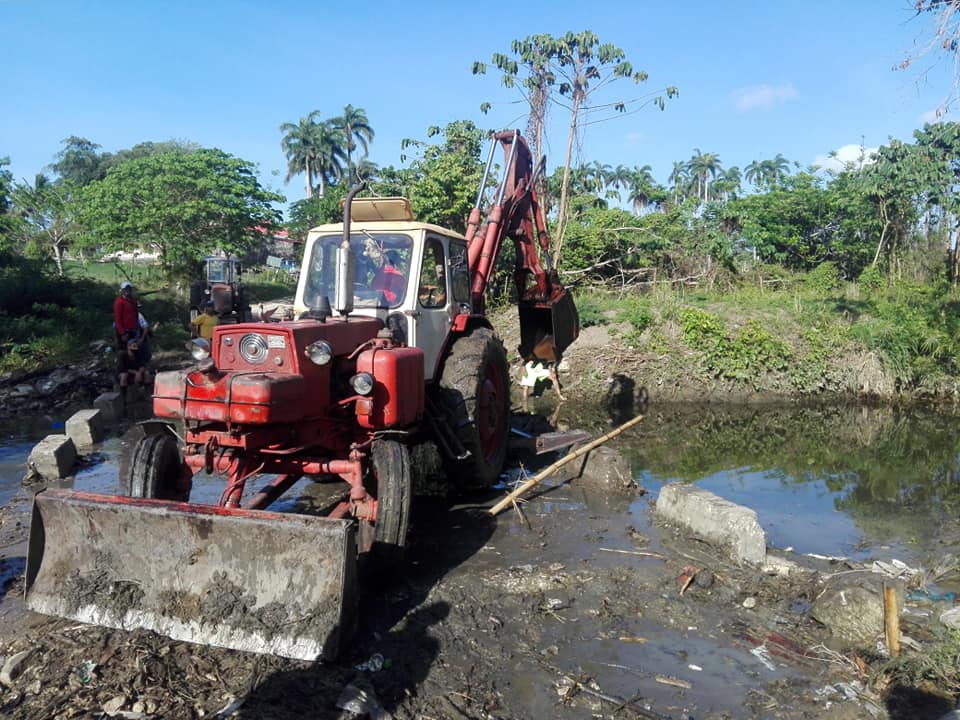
844 157
763 97
635 138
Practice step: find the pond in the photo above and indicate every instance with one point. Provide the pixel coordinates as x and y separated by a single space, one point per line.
839 481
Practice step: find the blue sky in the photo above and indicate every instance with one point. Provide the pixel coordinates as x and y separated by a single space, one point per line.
755 78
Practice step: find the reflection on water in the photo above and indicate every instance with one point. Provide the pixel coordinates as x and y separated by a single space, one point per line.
845 481
835 480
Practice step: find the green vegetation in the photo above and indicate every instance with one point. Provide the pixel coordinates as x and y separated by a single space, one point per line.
797 336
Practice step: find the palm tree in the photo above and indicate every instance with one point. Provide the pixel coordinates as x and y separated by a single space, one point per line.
702 167
330 153
356 129
754 173
642 186
300 145
678 178
727 183
778 169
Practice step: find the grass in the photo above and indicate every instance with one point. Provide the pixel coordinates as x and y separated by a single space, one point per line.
798 328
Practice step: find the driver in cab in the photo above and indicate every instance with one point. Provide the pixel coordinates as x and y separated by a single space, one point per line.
387 278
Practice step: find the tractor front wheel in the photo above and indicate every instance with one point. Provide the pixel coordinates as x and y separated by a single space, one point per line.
157 470
475 390
386 538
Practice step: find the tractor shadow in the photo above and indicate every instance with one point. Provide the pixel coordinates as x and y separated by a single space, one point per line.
397 620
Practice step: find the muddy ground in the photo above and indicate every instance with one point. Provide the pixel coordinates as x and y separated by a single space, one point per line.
581 606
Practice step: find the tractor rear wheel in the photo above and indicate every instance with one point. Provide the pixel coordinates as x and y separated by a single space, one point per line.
386 538
157 469
475 391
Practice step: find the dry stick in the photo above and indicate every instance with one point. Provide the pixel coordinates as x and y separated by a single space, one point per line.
891 620
544 474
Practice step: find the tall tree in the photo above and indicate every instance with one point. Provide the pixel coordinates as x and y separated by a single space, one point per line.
185 205
678 180
577 66
330 155
7 218
356 129
702 167
530 66
299 144
316 148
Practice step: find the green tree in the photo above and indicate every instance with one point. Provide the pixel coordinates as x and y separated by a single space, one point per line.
702 167
528 68
79 162
444 177
577 66
184 204
49 214
316 148
7 218
356 129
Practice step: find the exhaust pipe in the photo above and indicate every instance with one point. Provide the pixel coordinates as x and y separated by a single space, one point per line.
343 294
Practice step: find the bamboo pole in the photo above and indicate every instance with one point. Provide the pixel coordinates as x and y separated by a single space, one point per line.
891 620
547 472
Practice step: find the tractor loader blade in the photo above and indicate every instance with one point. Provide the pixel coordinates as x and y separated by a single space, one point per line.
252 580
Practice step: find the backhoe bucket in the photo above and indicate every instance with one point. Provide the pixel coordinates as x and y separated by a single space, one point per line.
252 580
555 321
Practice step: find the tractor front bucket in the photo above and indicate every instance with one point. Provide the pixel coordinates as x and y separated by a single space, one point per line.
547 328
252 580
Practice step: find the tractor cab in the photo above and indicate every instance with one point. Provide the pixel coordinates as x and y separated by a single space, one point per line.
222 285
413 276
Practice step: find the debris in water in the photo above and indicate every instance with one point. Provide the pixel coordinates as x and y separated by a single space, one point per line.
750 602
763 655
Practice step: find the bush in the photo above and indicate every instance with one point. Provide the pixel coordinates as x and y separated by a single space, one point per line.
824 278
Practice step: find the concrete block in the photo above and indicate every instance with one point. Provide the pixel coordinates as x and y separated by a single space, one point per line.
603 466
54 456
715 519
85 427
110 405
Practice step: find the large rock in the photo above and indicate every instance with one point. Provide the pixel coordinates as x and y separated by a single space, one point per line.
715 519
53 457
854 613
85 427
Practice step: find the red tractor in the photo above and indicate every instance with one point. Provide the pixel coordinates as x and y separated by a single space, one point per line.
391 347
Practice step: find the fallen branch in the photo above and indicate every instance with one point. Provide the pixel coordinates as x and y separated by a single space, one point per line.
638 553
547 472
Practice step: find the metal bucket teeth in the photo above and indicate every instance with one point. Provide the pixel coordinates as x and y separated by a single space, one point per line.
258 581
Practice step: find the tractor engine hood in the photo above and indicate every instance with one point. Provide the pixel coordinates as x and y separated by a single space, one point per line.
262 372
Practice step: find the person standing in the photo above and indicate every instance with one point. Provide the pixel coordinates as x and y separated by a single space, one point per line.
204 323
126 316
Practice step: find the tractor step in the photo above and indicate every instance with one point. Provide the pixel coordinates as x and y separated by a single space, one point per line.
253 580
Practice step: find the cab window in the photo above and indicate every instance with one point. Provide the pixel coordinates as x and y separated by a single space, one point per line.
433 277
459 272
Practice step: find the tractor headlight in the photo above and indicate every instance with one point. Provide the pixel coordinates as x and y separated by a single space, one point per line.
362 383
200 349
320 352
254 348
